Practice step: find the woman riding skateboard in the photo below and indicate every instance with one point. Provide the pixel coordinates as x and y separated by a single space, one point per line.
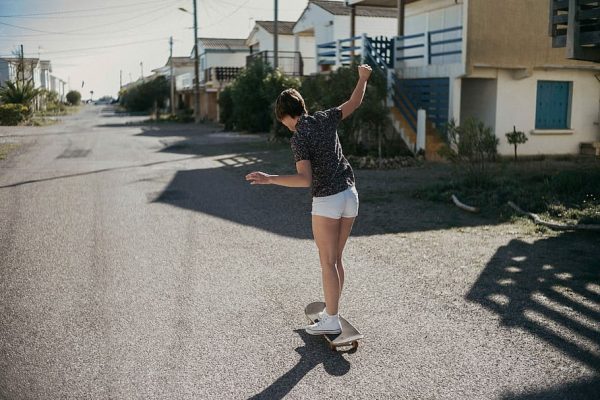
320 164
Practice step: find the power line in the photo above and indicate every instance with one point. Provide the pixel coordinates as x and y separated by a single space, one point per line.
105 47
252 8
73 31
226 16
84 10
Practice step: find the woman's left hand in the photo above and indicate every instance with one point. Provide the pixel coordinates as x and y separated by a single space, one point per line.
258 178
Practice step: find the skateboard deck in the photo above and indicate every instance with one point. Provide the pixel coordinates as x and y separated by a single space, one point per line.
349 336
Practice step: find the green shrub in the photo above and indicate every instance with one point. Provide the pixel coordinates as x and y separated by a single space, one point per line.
74 97
13 114
147 95
516 138
471 146
226 108
248 103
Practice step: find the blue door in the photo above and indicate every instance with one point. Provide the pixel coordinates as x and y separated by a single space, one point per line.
552 105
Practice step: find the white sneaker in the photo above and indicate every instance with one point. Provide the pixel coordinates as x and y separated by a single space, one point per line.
328 324
321 314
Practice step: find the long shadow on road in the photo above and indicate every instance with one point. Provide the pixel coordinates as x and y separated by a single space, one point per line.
224 193
311 355
551 289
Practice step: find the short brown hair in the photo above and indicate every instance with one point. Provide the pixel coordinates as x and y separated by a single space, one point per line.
291 103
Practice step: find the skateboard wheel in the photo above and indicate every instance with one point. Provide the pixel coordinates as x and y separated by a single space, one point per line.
355 344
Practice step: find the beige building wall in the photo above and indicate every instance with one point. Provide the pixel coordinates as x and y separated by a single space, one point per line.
512 34
516 105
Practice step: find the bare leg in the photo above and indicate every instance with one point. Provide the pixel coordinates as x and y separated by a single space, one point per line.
326 233
345 229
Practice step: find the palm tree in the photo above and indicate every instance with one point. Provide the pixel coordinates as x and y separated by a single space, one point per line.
18 93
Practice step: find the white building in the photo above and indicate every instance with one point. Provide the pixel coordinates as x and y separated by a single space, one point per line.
220 61
296 52
450 63
10 70
329 21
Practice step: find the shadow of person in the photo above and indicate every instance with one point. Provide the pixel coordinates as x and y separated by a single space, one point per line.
314 352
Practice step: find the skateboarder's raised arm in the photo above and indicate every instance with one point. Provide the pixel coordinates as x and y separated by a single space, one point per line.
364 71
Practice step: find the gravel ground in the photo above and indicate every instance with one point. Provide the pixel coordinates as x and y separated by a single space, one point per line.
136 262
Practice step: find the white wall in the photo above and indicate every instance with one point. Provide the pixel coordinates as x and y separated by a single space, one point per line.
423 17
229 59
4 72
265 40
516 105
307 47
318 20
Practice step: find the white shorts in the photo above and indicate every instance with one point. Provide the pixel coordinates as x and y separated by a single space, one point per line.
342 204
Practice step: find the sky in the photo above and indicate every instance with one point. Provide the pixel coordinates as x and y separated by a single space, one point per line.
90 41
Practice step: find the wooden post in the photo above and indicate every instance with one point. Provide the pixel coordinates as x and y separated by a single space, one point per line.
400 17
572 30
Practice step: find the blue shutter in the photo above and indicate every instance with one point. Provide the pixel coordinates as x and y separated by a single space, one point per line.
552 105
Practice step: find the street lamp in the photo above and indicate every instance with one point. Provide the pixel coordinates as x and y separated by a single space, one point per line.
196 65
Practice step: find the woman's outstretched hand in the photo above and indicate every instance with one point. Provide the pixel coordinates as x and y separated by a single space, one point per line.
258 178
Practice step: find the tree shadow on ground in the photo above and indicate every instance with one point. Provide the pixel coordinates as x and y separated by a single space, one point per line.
551 289
313 353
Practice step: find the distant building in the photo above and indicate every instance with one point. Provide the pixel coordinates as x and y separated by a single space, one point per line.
220 61
296 52
451 64
329 21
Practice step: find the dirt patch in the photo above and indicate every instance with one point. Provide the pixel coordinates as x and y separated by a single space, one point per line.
6 148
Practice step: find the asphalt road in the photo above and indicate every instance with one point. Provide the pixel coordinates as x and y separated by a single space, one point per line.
136 263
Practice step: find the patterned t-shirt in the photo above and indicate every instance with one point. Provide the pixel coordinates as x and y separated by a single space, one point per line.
316 140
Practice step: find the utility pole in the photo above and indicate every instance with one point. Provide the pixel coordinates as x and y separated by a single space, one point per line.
171 75
22 67
142 69
275 40
196 68
120 79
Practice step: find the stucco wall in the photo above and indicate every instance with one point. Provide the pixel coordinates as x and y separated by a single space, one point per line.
516 105
511 34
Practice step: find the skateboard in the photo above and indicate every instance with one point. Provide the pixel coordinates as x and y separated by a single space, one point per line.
349 336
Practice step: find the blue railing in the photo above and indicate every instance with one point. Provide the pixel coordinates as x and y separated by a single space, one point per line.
401 49
339 51
435 43
412 47
350 51
379 51
429 94
326 53
403 103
